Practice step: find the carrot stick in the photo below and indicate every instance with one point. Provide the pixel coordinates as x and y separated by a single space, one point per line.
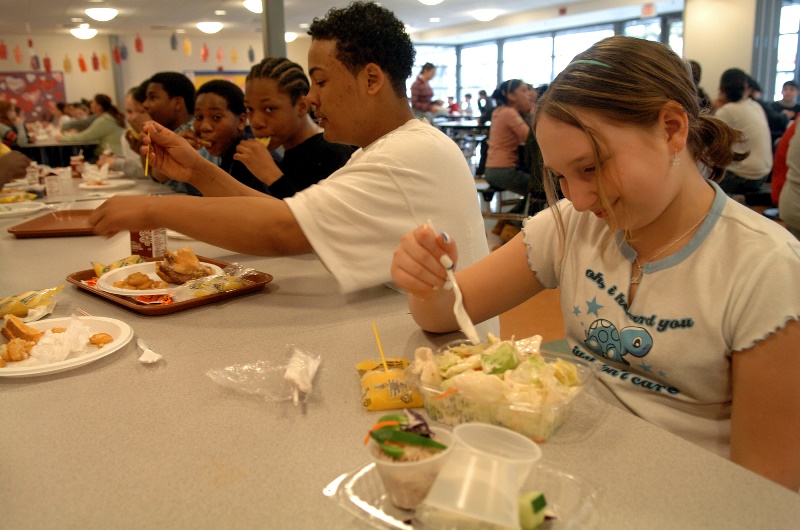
390 423
451 391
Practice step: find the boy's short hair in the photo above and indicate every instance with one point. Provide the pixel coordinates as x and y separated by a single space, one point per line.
365 32
230 92
175 84
792 84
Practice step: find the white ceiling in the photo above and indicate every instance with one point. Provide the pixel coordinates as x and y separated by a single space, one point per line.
154 17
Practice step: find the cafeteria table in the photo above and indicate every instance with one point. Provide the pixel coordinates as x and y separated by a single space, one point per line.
120 444
55 153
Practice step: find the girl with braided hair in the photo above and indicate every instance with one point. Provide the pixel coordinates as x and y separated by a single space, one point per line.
275 100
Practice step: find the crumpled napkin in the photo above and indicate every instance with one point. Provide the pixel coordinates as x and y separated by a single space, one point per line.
92 173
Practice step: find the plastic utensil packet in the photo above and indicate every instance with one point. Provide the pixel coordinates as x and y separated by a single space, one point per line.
300 372
274 381
232 277
261 378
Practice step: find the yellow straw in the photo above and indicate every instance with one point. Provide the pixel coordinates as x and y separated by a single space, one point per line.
380 348
147 160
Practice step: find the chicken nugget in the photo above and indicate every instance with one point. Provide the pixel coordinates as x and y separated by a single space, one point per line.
100 339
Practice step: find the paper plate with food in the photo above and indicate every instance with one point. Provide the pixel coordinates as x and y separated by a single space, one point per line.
156 277
16 209
58 344
15 195
107 184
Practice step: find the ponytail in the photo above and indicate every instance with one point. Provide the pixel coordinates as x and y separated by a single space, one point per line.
711 143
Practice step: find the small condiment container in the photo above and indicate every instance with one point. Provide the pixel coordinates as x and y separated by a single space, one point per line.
149 243
76 164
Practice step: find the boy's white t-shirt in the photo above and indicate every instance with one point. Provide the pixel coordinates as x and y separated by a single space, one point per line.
355 218
667 358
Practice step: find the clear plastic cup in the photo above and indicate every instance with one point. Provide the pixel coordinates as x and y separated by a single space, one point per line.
500 443
407 483
478 487
60 189
472 492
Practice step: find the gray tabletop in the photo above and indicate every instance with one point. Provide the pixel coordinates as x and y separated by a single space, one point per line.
119 444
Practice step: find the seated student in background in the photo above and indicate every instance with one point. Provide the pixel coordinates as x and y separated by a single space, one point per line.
507 133
130 162
406 172
788 104
688 300
81 115
275 99
777 121
9 133
170 102
106 129
219 125
734 106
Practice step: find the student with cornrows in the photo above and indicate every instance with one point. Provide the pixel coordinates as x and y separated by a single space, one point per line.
275 99
688 300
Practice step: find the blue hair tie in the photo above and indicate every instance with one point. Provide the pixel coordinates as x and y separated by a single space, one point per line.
589 61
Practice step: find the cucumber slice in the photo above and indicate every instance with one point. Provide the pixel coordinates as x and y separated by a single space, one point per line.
532 506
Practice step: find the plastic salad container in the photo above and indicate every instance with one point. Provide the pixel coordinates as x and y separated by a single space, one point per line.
498 406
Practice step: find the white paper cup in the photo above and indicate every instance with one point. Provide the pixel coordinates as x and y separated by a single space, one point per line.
407 483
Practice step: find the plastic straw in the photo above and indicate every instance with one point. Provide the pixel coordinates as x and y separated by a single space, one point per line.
380 348
147 160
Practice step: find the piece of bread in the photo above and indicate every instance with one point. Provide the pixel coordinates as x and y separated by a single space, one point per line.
181 266
15 328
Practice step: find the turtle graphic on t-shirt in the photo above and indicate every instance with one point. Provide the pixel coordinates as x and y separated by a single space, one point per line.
605 340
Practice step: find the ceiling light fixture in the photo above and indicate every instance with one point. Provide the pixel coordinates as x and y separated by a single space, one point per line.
254 5
434 19
220 12
431 2
485 15
102 14
83 32
209 27
289 36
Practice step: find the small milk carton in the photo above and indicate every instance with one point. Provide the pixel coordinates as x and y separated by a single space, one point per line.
149 243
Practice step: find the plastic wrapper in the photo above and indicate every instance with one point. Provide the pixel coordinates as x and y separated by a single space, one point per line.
232 278
267 379
20 304
100 269
387 390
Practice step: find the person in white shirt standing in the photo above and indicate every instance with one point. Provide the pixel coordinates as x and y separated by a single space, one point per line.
737 109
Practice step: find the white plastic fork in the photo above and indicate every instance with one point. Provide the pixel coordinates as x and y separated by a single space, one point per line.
464 322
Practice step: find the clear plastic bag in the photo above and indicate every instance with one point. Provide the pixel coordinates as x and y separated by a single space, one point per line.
271 380
232 277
